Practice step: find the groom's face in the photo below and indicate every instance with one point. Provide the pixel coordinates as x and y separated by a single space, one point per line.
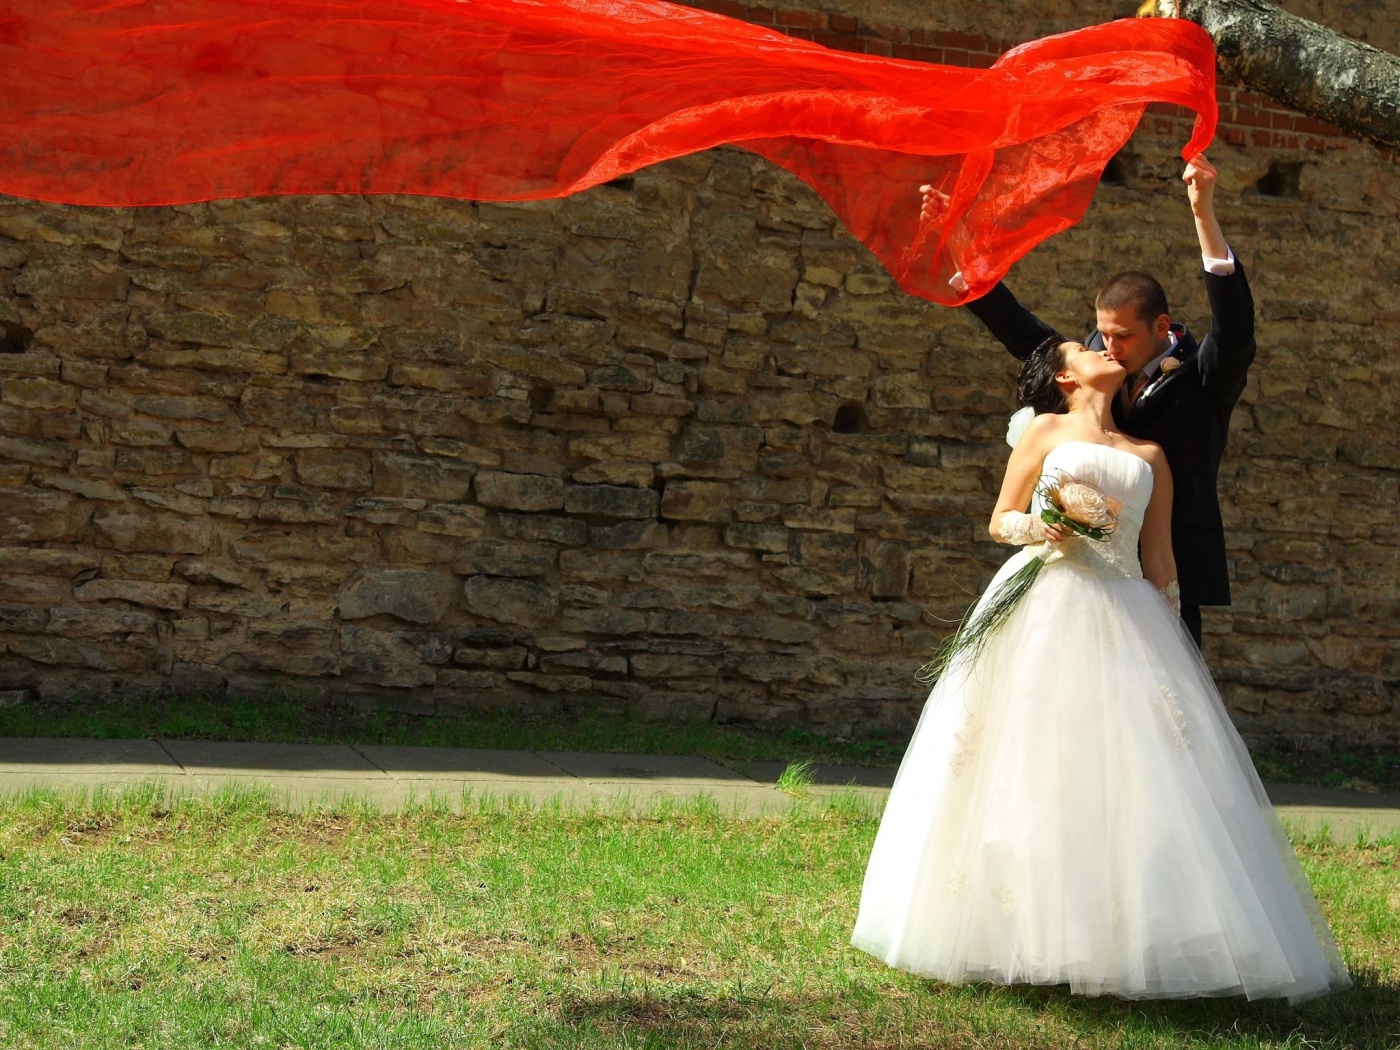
1129 339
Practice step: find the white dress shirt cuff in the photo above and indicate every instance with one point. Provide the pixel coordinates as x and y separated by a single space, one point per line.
1220 267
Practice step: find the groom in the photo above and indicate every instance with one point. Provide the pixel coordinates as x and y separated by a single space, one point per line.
1179 393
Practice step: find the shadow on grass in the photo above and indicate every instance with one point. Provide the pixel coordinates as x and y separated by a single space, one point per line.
288 717
683 1019
1366 1017
577 724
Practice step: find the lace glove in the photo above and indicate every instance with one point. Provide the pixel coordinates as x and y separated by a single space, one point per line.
1020 528
1171 594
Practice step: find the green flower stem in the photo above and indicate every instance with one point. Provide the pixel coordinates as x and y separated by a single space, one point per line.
976 629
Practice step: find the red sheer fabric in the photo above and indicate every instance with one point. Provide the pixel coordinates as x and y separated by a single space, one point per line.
113 102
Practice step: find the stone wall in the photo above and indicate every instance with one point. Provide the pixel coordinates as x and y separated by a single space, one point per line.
675 447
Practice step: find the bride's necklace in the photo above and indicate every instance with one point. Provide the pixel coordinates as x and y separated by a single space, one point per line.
1110 434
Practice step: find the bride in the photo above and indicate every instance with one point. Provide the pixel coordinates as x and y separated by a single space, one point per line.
1075 806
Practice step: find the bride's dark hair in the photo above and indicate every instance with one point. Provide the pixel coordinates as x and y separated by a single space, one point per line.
1036 385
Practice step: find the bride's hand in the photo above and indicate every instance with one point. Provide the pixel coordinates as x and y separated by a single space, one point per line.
1058 533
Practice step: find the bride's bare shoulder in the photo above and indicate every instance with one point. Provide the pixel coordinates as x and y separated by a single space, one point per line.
1046 425
1041 435
1148 450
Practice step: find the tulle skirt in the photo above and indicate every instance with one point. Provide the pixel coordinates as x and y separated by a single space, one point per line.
1076 808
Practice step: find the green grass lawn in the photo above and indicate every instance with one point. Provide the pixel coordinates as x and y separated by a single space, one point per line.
131 921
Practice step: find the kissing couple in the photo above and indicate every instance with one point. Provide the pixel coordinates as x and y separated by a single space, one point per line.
1075 806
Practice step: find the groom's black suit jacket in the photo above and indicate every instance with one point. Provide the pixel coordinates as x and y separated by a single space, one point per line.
1186 411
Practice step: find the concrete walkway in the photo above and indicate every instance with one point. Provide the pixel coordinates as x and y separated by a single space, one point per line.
389 776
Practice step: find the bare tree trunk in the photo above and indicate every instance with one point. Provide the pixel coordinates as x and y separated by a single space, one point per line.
1301 64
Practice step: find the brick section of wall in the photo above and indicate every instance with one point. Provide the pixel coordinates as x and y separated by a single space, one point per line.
1246 119
847 33
1250 120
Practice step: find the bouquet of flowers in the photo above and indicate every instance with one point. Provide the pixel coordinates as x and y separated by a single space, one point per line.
1076 506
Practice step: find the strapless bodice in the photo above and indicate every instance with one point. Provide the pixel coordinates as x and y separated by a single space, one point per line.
1119 475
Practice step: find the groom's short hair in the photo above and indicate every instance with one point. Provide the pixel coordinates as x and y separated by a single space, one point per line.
1138 290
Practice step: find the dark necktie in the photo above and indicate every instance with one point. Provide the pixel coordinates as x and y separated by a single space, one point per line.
1139 384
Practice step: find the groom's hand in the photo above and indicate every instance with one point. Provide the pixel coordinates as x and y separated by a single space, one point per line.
935 203
932 210
1199 176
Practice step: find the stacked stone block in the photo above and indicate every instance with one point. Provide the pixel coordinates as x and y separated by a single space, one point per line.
431 453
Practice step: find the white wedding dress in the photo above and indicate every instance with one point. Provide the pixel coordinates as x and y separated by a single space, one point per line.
1076 808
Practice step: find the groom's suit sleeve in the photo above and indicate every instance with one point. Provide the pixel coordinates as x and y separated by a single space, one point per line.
1227 352
1015 327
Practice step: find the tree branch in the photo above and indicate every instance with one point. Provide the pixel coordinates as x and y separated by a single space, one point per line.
1301 64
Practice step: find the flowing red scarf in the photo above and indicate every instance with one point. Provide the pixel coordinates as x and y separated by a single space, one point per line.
143 102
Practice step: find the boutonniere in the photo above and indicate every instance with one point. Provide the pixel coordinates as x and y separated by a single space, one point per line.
1167 367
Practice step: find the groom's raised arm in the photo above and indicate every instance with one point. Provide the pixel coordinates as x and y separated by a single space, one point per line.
1227 352
1015 327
